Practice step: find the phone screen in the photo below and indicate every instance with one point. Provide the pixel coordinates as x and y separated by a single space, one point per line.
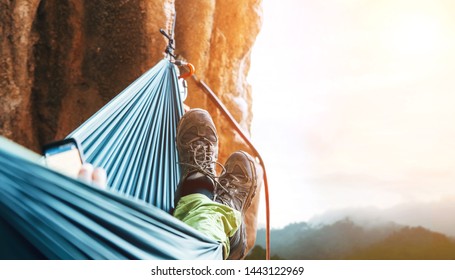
64 158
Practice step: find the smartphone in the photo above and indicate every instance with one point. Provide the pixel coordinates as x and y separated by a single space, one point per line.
64 156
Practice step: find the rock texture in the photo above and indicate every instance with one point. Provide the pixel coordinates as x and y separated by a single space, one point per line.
60 61
16 70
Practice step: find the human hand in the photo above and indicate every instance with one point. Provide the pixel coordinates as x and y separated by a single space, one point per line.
95 176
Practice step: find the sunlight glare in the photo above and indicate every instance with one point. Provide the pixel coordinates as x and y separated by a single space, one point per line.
416 34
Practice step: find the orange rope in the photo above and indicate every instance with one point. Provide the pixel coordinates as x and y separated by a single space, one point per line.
237 127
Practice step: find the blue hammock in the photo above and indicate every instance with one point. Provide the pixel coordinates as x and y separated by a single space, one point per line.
133 137
46 215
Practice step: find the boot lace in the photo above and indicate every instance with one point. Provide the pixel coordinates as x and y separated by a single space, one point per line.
231 192
202 153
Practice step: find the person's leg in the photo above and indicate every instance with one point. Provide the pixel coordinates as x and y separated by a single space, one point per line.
197 145
236 189
214 220
214 208
223 218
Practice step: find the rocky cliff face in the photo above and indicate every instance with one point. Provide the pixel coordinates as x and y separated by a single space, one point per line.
60 61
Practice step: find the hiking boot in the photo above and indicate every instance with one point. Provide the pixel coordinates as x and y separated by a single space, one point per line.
236 189
237 185
197 146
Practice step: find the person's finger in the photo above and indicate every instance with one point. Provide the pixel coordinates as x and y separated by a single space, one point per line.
85 173
99 178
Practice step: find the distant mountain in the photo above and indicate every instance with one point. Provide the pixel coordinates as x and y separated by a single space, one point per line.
345 239
435 216
414 243
335 241
258 253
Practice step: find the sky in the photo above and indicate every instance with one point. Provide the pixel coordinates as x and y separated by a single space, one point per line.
353 105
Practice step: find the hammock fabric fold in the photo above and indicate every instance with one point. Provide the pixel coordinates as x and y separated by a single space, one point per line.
44 214
133 137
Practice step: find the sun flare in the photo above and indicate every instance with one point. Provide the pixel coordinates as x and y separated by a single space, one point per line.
416 34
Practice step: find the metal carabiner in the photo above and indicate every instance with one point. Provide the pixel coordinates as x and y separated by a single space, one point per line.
188 65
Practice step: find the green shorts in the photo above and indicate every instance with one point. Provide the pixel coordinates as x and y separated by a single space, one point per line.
211 218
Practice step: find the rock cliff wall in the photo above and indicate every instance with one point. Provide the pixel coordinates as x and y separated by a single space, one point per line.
60 61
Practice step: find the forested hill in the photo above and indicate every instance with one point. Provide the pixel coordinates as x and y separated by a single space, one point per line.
415 243
346 240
